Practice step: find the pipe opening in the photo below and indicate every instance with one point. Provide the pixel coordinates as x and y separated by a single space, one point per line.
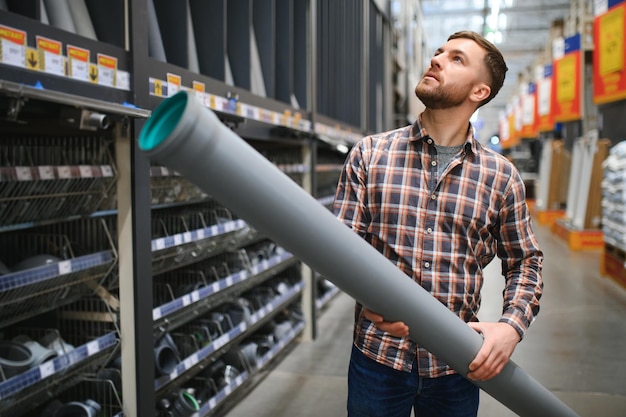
162 121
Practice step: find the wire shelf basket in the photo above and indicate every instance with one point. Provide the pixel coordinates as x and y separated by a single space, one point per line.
50 274
53 179
81 353
167 186
103 389
174 284
184 237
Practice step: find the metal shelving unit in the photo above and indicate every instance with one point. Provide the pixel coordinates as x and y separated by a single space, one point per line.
114 227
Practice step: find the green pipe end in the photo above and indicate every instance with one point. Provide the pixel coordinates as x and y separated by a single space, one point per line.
162 121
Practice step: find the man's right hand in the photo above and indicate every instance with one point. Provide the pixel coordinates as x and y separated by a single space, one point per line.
394 328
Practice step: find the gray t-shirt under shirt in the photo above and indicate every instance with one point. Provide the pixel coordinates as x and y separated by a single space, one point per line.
445 155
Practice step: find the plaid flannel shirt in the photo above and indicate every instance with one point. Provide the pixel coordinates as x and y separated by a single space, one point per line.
441 231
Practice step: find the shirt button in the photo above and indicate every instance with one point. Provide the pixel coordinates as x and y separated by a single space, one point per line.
433 196
433 163
429 141
429 230
426 264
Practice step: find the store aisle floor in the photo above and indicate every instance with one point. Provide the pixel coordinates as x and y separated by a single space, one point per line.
576 347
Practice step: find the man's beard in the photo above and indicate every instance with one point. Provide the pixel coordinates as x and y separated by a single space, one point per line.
438 98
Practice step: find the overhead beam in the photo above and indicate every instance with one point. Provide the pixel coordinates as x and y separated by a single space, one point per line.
514 9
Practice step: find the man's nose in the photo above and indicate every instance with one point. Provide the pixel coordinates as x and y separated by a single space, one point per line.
435 61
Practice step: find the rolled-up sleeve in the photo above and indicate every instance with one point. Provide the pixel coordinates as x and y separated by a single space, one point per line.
521 260
351 196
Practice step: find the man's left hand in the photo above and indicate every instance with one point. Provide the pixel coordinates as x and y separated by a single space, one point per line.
499 343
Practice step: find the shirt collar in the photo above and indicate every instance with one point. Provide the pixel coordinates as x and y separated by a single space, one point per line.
419 133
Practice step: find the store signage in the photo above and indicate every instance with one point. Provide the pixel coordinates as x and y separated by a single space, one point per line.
78 63
529 105
503 130
199 87
566 85
544 117
174 83
508 135
107 70
12 46
609 71
51 59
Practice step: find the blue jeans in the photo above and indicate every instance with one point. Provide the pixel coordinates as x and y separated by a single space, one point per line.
376 390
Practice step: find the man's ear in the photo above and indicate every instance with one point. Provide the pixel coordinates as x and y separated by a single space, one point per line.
480 92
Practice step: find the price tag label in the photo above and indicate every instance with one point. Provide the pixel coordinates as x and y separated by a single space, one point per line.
107 70
229 280
106 76
173 84
200 234
65 172
107 171
46 369
195 296
186 300
187 237
23 174
160 244
54 64
65 267
123 80
178 239
85 171
219 342
191 361
13 54
79 70
50 55
78 59
156 314
93 347
13 46
174 374
46 172
211 101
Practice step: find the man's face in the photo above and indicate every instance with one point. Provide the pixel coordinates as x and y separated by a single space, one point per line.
455 70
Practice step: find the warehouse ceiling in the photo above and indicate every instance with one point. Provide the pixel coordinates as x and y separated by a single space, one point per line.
520 29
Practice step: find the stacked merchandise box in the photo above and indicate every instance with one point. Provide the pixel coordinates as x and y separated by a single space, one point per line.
614 197
613 259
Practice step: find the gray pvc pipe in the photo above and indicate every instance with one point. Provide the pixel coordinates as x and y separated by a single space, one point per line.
82 19
43 13
184 135
155 42
192 51
59 15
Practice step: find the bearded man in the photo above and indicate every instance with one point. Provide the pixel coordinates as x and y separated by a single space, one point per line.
441 207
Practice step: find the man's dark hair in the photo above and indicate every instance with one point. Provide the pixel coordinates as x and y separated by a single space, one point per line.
493 60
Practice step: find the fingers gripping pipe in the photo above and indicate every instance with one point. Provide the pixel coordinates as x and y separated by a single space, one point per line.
184 135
